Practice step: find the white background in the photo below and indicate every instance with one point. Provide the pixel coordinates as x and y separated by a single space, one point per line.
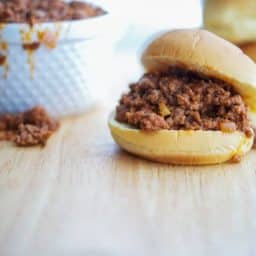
145 17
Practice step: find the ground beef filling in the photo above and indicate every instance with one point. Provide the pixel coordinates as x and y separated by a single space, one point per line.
182 100
30 128
37 11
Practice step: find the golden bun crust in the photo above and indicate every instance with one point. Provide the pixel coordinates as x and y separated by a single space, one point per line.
234 20
249 49
204 52
180 147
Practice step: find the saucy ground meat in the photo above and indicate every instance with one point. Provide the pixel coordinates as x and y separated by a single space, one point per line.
29 128
183 100
37 11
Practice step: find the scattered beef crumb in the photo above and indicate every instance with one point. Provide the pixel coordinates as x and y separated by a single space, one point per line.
29 128
236 159
254 142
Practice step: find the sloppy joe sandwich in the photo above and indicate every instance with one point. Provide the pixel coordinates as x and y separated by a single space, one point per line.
192 105
234 20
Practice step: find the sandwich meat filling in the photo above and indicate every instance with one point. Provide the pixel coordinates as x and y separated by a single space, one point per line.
183 100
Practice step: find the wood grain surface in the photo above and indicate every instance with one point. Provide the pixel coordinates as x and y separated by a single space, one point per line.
82 195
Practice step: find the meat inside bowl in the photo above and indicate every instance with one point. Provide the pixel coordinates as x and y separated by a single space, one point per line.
38 11
49 64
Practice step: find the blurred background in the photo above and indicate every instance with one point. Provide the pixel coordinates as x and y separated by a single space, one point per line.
140 20
145 17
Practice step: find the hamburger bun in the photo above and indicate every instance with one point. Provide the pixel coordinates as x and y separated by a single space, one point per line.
205 53
234 20
181 147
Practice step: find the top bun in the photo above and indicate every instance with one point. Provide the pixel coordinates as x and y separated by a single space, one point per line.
234 20
203 52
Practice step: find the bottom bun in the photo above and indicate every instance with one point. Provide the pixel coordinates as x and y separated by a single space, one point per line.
181 147
249 49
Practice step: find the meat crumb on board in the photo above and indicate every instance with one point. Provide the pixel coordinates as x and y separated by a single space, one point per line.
30 128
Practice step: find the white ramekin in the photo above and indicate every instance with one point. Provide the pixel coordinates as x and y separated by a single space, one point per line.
61 78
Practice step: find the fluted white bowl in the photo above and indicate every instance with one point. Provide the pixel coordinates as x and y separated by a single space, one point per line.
60 79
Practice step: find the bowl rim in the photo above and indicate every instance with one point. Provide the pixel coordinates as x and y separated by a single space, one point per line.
18 24
70 30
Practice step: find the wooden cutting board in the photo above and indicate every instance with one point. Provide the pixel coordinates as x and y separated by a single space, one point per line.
81 195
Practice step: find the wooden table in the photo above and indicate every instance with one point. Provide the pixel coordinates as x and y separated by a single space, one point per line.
81 195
